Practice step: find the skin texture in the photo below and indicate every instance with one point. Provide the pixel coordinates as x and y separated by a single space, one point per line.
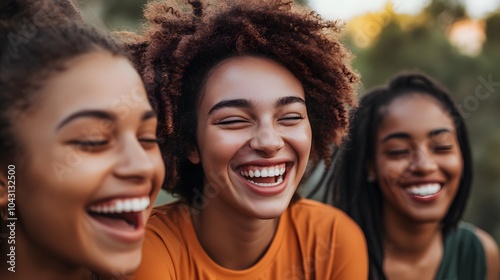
208 32
71 163
413 244
235 219
412 150
492 254
416 144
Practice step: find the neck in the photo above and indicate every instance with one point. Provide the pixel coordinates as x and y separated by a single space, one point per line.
34 263
232 240
405 239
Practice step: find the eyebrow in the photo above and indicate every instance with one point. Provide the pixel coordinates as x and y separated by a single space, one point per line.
438 131
246 104
97 114
403 135
283 101
232 103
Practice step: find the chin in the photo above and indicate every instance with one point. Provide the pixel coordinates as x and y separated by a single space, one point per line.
266 212
116 267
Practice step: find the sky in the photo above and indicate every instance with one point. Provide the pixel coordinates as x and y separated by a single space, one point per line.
336 9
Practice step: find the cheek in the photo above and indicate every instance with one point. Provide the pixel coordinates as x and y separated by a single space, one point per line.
219 145
300 138
453 166
157 160
390 171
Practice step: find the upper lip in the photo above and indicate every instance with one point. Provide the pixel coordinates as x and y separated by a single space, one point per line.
423 182
133 192
264 162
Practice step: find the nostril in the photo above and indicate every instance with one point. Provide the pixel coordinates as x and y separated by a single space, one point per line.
266 140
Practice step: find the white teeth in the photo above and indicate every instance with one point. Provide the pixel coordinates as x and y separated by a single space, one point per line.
271 172
264 172
122 205
424 190
280 179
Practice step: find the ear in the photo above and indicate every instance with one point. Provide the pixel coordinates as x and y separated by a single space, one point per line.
194 155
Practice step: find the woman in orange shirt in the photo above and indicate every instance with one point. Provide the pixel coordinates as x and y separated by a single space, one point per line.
249 92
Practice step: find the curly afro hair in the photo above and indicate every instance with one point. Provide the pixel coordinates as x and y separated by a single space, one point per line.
181 44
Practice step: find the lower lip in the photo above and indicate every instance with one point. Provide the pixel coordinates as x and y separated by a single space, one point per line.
267 191
425 199
121 235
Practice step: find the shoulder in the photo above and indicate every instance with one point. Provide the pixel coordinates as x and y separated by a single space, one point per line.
165 242
491 252
338 240
315 217
167 227
173 216
314 212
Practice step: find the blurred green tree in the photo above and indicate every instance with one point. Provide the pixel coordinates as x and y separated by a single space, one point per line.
119 14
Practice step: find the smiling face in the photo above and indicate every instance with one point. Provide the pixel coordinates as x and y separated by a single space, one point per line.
92 168
418 162
253 136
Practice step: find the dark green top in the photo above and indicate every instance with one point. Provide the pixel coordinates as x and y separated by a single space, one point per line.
464 257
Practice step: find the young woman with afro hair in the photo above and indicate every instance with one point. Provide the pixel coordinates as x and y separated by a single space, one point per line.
248 93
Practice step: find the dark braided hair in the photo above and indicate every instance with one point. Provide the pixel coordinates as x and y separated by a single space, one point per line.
178 49
347 186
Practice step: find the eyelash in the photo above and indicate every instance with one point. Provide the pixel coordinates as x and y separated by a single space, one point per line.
228 122
442 148
89 145
398 153
293 118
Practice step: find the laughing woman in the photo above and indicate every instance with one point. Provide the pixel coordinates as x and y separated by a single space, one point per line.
404 176
258 89
78 154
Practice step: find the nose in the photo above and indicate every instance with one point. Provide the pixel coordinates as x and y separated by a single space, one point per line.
134 162
422 162
266 140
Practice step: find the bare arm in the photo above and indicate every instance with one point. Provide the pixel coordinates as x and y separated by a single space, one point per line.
492 254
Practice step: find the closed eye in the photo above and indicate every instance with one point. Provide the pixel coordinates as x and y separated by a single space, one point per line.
89 145
231 121
442 148
291 119
398 153
148 140
148 143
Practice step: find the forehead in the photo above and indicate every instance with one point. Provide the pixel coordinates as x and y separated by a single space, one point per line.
250 78
415 114
93 81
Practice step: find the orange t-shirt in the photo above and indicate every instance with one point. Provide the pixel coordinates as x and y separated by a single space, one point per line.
312 241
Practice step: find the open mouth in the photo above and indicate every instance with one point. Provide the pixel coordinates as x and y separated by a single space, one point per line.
424 190
268 176
122 214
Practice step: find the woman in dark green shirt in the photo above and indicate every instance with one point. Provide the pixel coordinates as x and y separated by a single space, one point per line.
404 176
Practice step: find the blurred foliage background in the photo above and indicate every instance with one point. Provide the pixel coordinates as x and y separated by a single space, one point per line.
442 41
